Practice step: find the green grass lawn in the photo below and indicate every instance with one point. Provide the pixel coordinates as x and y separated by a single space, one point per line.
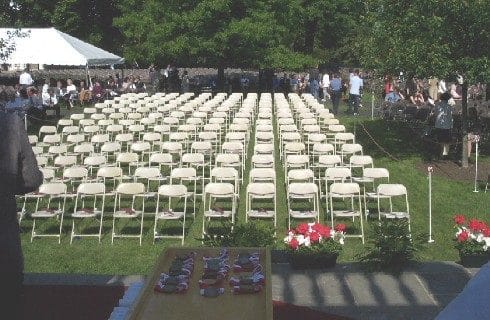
127 257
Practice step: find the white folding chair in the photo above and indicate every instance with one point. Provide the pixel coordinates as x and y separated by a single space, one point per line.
189 178
307 193
45 196
218 191
131 190
352 192
390 191
85 191
170 192
262 191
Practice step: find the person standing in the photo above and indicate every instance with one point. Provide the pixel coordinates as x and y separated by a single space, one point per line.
444 122
185 82
355 88
433 88
25 79
325 86
20 175
336 89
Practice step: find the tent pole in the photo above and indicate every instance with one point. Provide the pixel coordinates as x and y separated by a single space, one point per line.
89 80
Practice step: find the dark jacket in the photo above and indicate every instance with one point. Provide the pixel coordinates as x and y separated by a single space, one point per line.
19 174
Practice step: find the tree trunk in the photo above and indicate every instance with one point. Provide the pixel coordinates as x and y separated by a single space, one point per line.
464 125
311 29
221 78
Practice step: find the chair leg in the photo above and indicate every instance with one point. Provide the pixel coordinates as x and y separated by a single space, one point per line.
33 227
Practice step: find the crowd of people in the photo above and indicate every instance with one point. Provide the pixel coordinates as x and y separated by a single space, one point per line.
36 101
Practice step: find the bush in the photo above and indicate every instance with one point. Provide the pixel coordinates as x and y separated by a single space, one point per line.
390 246
251 234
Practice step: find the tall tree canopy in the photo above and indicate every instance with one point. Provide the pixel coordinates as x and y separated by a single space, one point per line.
90 20
219 33
427 37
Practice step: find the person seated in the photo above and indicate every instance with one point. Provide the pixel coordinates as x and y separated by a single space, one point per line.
85 94
126 85
45 86
111 89
453 91
59 91
97 91
138 85
71 93
35 109
50 101
417 98
393 96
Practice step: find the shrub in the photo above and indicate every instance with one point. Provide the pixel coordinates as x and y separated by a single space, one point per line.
390 246
251 234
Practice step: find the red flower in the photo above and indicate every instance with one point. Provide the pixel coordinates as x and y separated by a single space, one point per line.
340 227
314 237
463 236
323 230
459 219
294 244
302 228
486 232
477 225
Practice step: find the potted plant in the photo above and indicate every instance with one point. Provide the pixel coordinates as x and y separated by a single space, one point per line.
314 245
472 241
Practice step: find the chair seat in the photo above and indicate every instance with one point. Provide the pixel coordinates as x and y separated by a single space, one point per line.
127 213
362 180
346 213
374 195
395 215
217 213
46 213
303 214
169 215
261 213
86 213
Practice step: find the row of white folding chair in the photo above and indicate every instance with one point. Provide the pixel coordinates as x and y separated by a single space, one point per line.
86 190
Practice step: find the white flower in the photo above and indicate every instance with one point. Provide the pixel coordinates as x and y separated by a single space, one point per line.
307 241
301 239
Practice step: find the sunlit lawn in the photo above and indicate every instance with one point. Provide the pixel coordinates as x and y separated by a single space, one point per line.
127 257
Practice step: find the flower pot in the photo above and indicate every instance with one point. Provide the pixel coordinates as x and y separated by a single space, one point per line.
313 261
474 260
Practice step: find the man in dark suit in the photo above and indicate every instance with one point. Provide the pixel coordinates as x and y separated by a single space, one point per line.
19 175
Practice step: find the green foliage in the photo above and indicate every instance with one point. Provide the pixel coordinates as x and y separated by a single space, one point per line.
390 245
90 20
469 247
219 33
426 37
251 234
329 246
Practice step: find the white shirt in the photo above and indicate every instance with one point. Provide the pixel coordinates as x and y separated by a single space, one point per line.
326 80
441 88
25 79
49 100
356 84
71 87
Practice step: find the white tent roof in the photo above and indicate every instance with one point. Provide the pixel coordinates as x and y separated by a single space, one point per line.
52 47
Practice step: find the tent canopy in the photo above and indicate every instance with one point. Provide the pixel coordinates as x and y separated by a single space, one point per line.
49 46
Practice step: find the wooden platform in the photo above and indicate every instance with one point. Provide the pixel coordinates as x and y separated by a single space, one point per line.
191 305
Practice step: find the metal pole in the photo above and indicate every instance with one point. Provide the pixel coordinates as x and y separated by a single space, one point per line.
477 139
372 105
25 120
430 169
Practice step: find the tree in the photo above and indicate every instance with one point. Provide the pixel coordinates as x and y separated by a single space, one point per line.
427 37
89 20
218 33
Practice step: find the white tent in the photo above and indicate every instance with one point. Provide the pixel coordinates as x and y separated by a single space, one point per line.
48 46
